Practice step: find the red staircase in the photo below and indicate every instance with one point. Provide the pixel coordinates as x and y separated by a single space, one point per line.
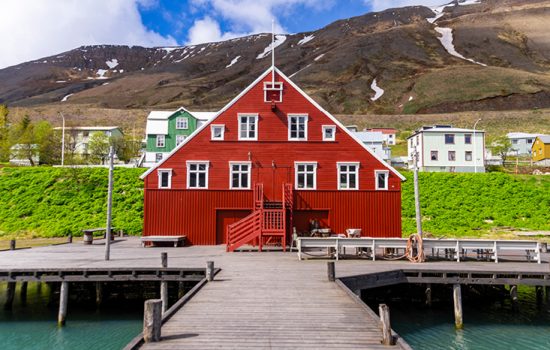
267 225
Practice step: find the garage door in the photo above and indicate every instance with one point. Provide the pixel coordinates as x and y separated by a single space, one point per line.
227 217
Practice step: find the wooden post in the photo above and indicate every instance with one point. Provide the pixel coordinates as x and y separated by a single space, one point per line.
384 311
164 284
98 294
457 297
514 296
547 290
23 292
209 271
70 238
12 244
63 301
152 320
331 271
10 294
428 293
539 293
181 290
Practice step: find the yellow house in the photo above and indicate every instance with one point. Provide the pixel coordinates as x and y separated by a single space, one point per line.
541 148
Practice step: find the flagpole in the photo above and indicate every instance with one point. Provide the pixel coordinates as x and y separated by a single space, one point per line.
273 52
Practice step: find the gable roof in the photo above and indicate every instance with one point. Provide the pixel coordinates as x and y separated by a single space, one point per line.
544 139
306 96
157 121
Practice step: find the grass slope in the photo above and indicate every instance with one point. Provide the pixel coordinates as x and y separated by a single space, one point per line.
48 202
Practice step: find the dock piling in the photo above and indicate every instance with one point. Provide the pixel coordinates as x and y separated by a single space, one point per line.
428 293
457 298
384 311
98 294
209 271
164 284
63 301
331 271
539 293
12 244
10 294
514 296
152 319
23 292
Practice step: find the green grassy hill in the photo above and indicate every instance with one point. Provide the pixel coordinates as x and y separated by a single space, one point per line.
46 202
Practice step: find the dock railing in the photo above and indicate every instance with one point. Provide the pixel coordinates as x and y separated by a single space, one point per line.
456 249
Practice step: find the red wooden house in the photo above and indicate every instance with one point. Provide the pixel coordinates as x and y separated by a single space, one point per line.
270 160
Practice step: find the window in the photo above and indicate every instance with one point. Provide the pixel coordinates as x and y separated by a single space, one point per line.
217 132
305 175
348 176
248 126
180 139
529 140
329 132
417 140
158 157
239 175
160 140
514 141
468 139
433 155
297 127
449 139
452 156
182 123
273 92
165 178
381 178
197 174
468 156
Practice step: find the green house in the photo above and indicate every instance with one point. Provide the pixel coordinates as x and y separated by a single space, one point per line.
167 129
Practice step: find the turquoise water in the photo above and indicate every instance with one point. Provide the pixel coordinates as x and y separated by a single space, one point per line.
488 324
34 326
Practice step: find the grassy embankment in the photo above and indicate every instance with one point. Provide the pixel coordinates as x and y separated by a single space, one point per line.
50 202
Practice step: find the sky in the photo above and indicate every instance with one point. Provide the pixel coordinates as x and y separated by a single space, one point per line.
32 29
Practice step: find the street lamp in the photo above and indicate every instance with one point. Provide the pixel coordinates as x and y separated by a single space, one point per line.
62 140
475 159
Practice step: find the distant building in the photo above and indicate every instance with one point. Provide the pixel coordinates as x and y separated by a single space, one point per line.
521 143
77 138
352 128
541 150
389 134
24 154
167 129
442 148
375 141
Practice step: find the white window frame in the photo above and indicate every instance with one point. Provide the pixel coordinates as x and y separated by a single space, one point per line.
163 138
270 86
164 171
249 175
466 156
212 134
297 115
183 120
182 139
326 127
358 165
157 157
247 138
387 182
296 164
197 162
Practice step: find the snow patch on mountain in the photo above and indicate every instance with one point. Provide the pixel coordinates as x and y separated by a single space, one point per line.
279 39
112 63
233 61
319 57
64 99
446 40
306 39
378 92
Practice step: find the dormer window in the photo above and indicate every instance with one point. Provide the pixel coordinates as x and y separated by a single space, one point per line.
273 92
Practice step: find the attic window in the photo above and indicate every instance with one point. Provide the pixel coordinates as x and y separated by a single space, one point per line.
217 132
273 92
165 178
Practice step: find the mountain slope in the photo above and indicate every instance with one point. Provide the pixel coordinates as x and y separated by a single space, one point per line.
493 55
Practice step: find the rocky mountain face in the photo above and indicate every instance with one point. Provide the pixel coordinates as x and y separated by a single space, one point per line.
467 55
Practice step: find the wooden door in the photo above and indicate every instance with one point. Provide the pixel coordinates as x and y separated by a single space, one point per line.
227 217
273 179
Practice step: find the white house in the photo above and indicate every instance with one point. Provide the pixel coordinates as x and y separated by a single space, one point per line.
389 135
521 143
77 138
375 141
442 148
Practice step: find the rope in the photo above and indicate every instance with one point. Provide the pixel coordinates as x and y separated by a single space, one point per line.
414 251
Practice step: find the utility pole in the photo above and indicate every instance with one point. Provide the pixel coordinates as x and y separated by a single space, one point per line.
109 204
417 195
62 140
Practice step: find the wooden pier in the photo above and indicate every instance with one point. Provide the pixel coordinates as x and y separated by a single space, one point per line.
258 300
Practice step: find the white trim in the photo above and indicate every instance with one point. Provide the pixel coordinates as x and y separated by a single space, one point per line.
297 115
296 164
275 86
197 162
325 127
186 123
169 171
163 141
358 165
256 130
212 126
308 98
231 163
376 172
182 139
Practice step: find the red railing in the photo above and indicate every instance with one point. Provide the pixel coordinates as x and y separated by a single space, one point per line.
244 231
259 196
274 220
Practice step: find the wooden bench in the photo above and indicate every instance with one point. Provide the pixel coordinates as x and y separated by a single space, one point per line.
173 239
89 234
